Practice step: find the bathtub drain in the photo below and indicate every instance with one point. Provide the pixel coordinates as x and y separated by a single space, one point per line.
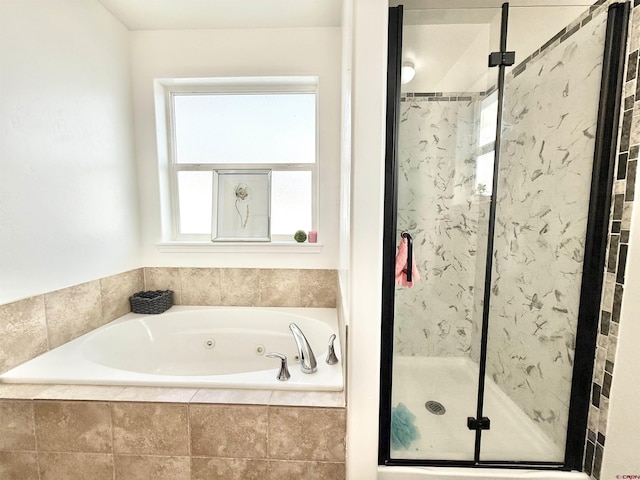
435 407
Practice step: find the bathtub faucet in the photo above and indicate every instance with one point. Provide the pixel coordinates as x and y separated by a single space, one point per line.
307 358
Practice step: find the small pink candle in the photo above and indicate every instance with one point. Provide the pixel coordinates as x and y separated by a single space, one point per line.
313 236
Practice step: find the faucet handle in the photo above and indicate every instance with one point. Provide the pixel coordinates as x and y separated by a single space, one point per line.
331 354
283 374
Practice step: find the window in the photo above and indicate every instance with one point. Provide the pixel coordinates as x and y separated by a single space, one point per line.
217 125
487 144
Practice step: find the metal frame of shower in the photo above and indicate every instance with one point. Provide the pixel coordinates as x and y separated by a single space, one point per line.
594 256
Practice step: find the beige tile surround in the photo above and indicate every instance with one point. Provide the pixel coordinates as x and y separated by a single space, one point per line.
35 325
76 432
254 287
68 440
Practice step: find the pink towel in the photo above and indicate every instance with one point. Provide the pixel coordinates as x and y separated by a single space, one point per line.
401 266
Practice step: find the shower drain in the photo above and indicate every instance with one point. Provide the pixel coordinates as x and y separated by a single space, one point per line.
435 407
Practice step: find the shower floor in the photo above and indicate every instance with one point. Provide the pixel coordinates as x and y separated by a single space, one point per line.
454 383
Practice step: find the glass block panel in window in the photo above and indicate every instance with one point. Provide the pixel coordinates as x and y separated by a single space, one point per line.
290 202
194 197
245 128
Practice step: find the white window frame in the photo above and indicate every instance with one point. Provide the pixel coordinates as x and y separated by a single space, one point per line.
167 89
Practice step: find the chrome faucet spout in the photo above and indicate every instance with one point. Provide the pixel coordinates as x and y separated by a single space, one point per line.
308 362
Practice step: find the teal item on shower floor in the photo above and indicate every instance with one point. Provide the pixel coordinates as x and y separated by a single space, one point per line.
403 429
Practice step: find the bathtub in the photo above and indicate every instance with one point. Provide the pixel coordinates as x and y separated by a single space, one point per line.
451 473
193 347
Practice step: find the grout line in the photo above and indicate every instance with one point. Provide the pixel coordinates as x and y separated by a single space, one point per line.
102 300
144 278
46 320
268 439
190 400
181 283
189 452
113 441
35 437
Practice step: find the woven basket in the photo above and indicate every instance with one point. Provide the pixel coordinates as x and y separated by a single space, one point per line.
154 302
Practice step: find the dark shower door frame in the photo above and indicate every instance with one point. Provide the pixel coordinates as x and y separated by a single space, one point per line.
394 66
594 256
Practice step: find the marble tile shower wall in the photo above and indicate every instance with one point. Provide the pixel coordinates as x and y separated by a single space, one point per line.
619 231
437 205
541 217
35 325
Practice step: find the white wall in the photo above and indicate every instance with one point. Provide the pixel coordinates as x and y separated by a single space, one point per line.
368 133
623 424
345 155
68 203
238 52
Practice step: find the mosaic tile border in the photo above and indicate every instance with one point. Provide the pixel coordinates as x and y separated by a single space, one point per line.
442 96
618 245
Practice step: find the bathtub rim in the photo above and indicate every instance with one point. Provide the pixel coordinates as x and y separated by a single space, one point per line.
331 317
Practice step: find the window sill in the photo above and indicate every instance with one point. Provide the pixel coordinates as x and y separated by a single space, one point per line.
238 247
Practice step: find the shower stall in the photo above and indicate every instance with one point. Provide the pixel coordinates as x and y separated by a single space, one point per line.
498 182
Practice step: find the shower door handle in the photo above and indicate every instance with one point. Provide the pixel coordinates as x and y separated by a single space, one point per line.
409 269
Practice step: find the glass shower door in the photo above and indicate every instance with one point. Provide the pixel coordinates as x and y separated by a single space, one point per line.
551 101
446 139
486 346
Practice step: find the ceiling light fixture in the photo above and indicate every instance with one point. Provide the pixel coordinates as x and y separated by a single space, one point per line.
407 72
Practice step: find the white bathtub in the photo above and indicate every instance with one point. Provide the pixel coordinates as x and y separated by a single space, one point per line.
193 347
450 473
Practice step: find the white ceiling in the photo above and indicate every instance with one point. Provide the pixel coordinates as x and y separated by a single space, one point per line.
205 14
447 40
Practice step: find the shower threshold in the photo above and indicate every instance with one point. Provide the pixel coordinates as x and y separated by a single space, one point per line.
453 382
456 473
